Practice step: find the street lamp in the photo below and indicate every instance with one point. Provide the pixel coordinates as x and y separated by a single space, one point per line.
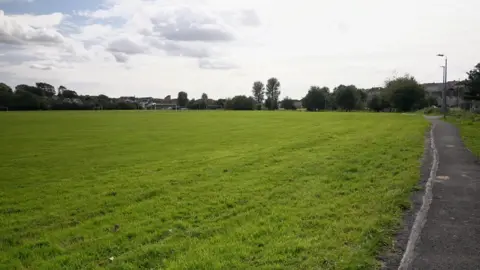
444 92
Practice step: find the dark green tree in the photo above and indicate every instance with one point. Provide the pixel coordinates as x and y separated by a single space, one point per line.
268 104
273 93
472 84
221 102
405 93
204 100
104 102
69 94
316 98
5 88
61 88
6 95
192 104
48 89
346 97
31 89
243 103
258 91
25 100
362 99
375 103
182 99
288 104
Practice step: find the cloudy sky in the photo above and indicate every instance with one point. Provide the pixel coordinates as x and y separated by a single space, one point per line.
159 47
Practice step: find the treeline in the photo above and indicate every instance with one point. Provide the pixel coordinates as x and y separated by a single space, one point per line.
403 94
398 94
43 96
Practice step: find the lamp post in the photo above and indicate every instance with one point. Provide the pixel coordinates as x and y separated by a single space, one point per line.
444 92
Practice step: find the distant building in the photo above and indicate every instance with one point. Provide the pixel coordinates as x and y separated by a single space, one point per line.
453 92
160 104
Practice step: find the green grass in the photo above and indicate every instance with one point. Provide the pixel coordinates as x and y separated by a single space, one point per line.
203 190
469 125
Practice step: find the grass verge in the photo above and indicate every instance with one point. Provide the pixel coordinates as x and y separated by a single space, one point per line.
469 125
203 190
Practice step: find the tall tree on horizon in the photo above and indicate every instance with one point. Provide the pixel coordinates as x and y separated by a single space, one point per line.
204 100
405 93
273 92
48 89
182 99
472 84
316 98
258 91
61 88
346 97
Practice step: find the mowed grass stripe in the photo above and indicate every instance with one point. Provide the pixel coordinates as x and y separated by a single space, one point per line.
203 190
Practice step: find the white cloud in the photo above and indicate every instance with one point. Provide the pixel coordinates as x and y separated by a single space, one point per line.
216 64
21 29
158 47
41 67
120 57
126 45
38 21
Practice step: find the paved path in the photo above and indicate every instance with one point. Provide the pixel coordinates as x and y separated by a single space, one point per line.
450 237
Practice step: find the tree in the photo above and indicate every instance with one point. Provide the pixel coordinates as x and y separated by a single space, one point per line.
69 94
405 93
316 98
5 88
105 102
61 88
472 84
273 92
25 100
240 103
195 104
31 89
221 102
288 104
268 104
103 97
6 95
122 105
182 99
362 99
375 103
346 97
258 91
47 89
204 100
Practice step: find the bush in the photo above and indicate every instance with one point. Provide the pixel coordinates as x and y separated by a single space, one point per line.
432 111
243 103
405 93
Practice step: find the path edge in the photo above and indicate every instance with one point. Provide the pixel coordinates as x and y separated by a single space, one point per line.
421 216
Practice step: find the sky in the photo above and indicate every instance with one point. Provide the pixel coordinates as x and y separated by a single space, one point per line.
220 47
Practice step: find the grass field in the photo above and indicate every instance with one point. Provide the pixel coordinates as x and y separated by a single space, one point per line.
470 131
203 190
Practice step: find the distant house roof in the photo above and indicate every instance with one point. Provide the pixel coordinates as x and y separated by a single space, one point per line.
438 87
